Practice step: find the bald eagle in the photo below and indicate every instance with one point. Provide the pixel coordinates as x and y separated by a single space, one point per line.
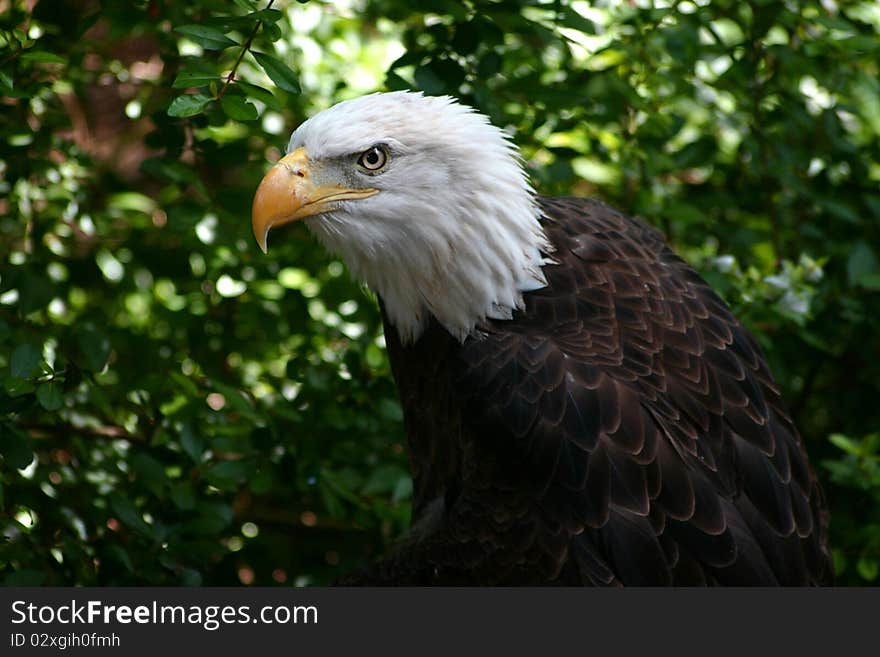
580 406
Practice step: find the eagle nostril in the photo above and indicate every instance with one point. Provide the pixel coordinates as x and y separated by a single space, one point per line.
296 171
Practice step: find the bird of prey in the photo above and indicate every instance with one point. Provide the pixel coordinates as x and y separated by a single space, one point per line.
580 406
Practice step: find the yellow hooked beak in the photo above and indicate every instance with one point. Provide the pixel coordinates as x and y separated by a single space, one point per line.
287 193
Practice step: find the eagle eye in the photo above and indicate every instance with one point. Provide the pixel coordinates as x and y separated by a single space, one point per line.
373 159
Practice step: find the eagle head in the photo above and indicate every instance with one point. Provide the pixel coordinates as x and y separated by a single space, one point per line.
423 198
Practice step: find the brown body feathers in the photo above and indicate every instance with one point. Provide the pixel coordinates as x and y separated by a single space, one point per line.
623 428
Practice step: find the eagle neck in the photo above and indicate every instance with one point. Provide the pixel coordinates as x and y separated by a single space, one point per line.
423 373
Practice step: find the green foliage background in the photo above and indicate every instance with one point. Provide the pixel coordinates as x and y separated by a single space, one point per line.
177 408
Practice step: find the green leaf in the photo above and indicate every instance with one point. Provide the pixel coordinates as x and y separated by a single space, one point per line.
278 72
394 82
95 346
170 170
259 93
862 263
272 32
190 577
49 395
571 18
489 64
42 57
118 552
191 443
150 472
268 15
870 281
15 447
24 362
210 518
868 568
25 577
126 511
207 37
403 490
227 475
390 409
441 76
174 406
384 479
429 81
238 108
190 105
187 79
6 83
845 443
183 496
341 485
236 400
16 387
839 209
261 482
36 292
224 24
605 58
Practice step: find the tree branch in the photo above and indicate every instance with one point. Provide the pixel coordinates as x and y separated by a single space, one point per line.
247 45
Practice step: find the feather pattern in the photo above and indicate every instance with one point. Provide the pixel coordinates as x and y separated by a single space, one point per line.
622 428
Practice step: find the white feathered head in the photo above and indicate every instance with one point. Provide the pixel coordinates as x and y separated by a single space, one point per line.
423 199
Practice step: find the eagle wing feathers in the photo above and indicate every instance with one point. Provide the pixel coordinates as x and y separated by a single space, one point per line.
623 428
627 394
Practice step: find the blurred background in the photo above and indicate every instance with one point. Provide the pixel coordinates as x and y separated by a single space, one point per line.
178 408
